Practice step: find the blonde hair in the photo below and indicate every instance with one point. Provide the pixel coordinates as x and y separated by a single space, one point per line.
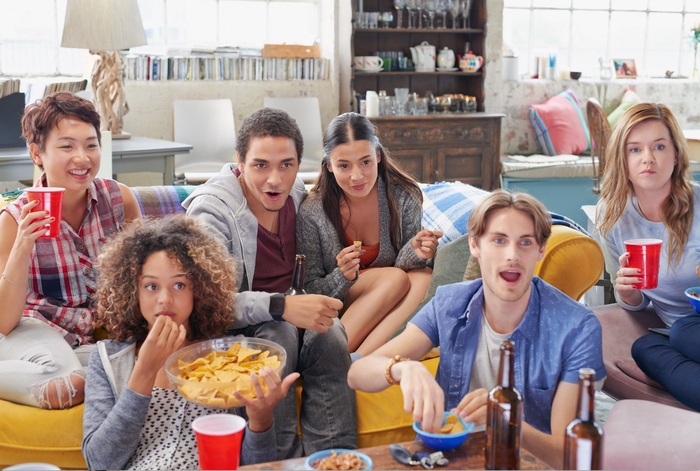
503 199
616 187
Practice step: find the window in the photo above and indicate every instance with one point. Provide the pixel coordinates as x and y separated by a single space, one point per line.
30 42
653 32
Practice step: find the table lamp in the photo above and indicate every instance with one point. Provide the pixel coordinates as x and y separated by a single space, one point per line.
105 27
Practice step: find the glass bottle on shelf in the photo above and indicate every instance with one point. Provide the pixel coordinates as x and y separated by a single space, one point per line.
298 277
504 415
583 441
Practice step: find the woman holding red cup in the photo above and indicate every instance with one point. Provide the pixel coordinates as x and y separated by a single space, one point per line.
647 193
48 283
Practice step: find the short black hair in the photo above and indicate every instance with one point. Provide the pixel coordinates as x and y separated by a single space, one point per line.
268 122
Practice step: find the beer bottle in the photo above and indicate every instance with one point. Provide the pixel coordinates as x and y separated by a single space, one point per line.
583 442
504 415
298 276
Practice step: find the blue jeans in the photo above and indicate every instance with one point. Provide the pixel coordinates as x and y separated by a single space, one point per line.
328 414
674 361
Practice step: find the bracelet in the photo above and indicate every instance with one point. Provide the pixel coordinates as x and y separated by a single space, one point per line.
387 374
10 281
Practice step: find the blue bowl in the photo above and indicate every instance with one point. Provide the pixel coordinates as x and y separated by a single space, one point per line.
694 300
326 453
443 441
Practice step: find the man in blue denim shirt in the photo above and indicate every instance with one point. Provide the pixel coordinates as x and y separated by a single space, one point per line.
554 336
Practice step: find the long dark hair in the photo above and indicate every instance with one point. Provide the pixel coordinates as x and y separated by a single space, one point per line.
344 129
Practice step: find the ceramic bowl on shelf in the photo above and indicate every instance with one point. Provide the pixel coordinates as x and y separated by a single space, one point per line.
575 75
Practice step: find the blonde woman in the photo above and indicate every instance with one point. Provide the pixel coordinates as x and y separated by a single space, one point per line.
647 193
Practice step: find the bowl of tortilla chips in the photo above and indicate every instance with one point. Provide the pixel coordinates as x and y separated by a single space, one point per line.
453 433
208 372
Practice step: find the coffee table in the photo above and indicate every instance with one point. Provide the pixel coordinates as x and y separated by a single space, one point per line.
470 455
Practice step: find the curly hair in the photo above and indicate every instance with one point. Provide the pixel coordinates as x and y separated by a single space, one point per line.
43 115
207 263
350 127
268 122
616 187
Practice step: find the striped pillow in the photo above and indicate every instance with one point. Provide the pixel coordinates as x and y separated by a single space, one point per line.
559 125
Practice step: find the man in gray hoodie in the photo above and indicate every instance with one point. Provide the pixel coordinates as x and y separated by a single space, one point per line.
251 208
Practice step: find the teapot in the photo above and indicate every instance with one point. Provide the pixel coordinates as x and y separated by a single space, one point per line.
423 57
446 58
471 62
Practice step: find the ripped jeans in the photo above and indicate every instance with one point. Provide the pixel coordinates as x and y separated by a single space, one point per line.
31 356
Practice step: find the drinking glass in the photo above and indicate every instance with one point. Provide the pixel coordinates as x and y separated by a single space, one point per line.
453 8
441 9
430 6
413 7
464 6
399 5
401 100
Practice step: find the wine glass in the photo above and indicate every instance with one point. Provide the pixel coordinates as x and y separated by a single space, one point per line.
413 7
464 6
430 6
453 8
441 9
399 5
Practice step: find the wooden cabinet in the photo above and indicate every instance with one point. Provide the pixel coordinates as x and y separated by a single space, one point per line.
439 146
448 147
367 42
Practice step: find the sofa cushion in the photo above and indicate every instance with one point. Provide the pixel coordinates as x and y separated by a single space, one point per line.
447 206
620 329
29 434
158 201
648 435
629 99
559 125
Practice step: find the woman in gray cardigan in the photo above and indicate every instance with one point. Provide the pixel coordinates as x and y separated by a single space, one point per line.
360 229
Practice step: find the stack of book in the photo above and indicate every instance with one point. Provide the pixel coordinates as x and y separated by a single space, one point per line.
52 88
8 86
223 64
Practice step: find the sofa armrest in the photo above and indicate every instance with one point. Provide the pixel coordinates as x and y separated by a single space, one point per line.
620 330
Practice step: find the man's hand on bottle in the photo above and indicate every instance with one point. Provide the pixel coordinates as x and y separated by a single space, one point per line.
311 311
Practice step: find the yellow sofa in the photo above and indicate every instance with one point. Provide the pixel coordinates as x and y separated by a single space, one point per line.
573 262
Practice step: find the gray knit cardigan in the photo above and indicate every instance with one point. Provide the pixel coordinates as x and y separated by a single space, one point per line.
318 240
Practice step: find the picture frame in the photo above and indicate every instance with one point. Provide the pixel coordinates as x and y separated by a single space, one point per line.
624 68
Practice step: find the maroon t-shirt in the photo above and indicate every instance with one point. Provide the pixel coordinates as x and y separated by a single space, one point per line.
274 262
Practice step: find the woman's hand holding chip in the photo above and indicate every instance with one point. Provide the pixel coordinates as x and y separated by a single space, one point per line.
260 408
163 339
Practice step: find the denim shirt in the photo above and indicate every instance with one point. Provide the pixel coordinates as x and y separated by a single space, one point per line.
555 338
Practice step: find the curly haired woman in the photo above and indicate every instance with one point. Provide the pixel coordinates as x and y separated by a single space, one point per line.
164 284
647 193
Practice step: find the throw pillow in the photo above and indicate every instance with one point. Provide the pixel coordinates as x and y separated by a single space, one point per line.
559 125
447 206
629 99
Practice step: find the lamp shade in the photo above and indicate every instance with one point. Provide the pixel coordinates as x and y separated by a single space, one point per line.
103 25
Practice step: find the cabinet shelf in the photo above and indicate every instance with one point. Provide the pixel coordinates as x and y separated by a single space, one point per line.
457 73
419 30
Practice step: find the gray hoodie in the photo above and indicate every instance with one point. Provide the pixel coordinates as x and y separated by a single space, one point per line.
221 205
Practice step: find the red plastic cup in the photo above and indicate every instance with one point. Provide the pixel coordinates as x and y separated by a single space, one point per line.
219 439
51 200
645 254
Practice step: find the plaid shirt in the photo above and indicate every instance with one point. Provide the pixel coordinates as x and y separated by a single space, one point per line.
62 279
